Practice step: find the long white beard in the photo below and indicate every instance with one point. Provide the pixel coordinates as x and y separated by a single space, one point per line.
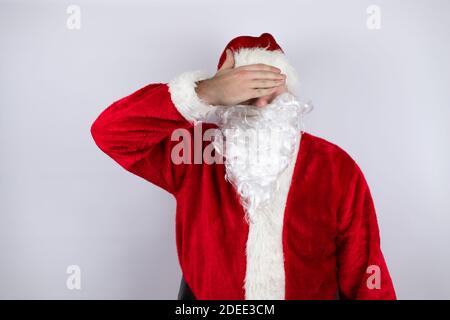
258 144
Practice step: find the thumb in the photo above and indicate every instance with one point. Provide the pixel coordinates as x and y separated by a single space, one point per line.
229 61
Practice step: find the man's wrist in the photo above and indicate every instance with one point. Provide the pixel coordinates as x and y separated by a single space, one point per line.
203 93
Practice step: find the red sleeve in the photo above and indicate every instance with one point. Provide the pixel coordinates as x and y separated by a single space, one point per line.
136 131
362 271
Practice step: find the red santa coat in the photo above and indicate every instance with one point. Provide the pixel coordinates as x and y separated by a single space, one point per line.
330 237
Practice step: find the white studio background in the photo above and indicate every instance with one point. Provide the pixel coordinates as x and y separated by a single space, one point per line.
381 94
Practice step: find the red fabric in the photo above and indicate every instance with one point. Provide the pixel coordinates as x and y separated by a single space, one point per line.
330 233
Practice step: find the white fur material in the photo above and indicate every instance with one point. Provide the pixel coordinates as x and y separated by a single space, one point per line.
186 100
265 274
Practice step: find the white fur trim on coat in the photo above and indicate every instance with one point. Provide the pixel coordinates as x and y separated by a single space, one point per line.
265 273
186 100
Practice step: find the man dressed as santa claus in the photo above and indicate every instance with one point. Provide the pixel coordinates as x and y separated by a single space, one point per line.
284 215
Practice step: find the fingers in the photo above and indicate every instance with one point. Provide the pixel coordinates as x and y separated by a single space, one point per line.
260 67
229 61
259 83
263 83
265 75
260 92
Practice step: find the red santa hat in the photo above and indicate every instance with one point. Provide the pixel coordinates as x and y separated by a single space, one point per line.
247 50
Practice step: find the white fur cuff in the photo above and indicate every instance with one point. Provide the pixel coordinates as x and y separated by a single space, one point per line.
186 100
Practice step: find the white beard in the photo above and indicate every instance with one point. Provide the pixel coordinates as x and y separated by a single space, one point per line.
258 144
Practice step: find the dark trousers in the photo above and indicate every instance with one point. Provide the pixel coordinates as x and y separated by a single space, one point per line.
185 292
